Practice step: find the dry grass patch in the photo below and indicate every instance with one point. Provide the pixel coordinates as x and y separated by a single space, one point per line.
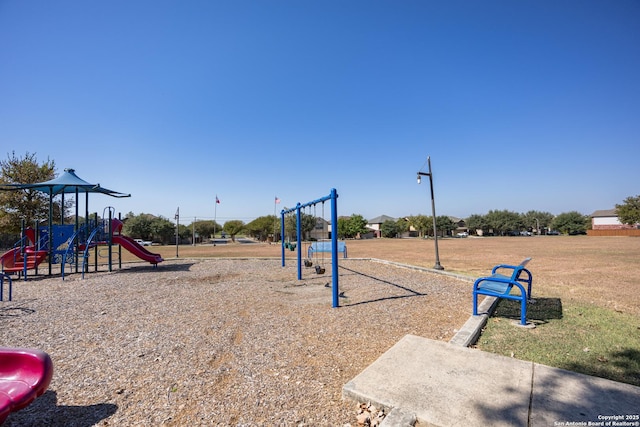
594 270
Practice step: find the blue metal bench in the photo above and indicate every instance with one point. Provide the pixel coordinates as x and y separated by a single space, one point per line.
326 247
500 286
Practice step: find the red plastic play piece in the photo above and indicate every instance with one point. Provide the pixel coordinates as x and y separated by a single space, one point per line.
24 375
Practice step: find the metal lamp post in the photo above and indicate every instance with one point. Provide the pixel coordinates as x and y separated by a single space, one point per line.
177 218
437 266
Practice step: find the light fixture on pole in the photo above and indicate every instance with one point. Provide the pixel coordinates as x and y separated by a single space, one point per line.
437 266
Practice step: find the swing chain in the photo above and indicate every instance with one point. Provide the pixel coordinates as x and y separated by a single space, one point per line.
320 268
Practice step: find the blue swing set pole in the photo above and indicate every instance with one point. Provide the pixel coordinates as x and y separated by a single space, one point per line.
110 240
334 247
333 196
299 240
282 213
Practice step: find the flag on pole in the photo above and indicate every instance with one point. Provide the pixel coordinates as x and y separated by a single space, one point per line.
277 200
217 200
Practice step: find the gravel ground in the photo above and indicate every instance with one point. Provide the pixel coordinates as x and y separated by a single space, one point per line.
219 342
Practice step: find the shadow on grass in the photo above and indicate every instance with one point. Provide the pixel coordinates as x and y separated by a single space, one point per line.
589 341
46 411
411 292
540 311
622 366
571 393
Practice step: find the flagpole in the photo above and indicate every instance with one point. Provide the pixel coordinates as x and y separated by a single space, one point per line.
275 218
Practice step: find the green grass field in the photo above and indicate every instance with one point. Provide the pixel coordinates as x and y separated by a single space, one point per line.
578 337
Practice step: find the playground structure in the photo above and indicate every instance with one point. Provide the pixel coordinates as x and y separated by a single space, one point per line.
101 233
72 247
68 244
333 197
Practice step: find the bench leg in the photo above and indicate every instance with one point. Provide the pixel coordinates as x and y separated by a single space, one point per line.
523 311
475 304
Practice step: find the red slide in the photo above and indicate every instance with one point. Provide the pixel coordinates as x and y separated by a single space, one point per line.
13 261
132 246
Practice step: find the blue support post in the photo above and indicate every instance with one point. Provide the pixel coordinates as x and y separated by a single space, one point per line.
334 247
282 213
2 279
120 246
110 241
299 240
23 249
333 196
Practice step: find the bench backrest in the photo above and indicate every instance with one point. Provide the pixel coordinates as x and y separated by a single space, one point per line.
519 268
326 246
525 261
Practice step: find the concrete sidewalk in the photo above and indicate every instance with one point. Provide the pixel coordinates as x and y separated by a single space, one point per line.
444 384
448 384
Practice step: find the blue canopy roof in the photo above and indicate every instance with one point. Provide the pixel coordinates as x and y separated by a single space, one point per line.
67 182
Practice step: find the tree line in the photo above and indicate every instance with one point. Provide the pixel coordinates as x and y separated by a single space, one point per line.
30 206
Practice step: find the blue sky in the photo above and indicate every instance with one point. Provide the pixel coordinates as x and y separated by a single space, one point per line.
522 105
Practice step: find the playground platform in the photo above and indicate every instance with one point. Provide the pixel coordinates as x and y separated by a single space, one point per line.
448 384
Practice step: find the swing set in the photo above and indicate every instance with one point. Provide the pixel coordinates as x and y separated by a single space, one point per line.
319 262
310 247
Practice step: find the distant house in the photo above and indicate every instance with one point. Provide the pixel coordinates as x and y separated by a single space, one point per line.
322 230
606 219
606 223
461 225
375 224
